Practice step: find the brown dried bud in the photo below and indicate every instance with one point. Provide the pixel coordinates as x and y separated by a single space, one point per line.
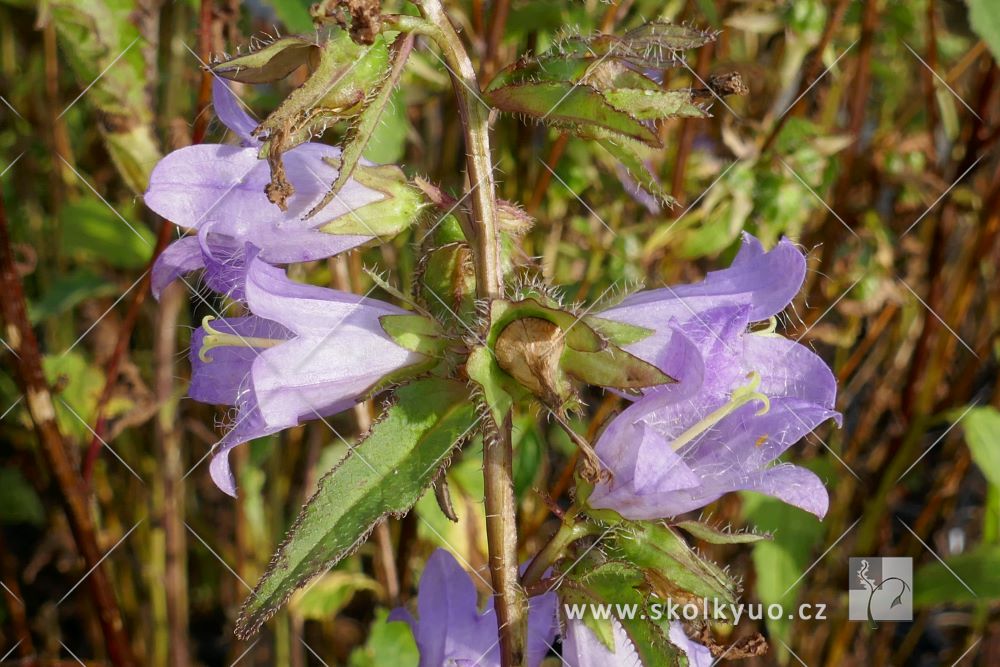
529 349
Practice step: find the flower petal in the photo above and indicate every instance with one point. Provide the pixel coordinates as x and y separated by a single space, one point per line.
180 257
793 485
582 648
767 282
697 654
229 109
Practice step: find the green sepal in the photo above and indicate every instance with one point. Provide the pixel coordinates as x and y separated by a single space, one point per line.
618 333
612 367
482 369
713 535
446 283
365 124
578 335
620 583
415 333
400 206
652 45
382 476
270 63
673 568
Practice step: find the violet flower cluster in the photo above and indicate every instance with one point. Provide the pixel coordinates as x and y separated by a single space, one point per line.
742 397
300 352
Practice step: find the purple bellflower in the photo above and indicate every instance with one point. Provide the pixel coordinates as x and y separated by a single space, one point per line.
303 352
217 190
450 631
742 398
582 648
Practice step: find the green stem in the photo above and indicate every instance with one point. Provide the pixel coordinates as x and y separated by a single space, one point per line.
500 502
569 532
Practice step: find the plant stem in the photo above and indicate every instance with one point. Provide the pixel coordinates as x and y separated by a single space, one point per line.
569 531
501 508
21 341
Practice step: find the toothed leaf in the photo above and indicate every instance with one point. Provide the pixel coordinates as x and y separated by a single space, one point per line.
384 475
655 104
569 105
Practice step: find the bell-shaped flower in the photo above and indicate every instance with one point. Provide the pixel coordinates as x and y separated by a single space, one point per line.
582 648
218 191
451 631
743 396
304 352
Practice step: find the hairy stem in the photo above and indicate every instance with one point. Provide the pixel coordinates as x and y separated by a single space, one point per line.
501 517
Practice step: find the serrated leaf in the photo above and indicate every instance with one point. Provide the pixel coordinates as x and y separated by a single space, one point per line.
569 105
655 104
713 535
626 151
270 63
384 475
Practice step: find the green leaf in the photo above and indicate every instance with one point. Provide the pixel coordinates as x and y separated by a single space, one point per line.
387 144
294 14
324 599
18 501
780 562
384 475
388 644
984 17
270 63
655 104
68 291
982 427
569 105
934 584
92 231
713 535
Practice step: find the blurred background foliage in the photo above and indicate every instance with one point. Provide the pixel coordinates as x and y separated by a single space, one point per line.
868 136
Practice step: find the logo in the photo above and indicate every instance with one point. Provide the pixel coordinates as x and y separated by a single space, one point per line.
881 589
